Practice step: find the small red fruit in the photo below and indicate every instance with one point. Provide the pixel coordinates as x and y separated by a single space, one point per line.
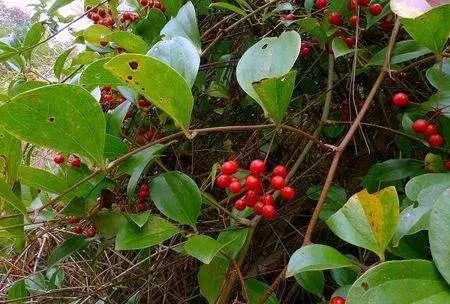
257 167
235 187
58 159
223 181
229 167
375 9
337 300
268 200
143 194
432 129
436 140
240 204
350 41
320 4
288 17
144 187
77 230
305 51
141 207
144 2
400 100
447 164
351 5
258 207
280 170
253 183
144 103
363 2
75 162
287 193
353 21
420 126
90 231
335 19
277 182
269 211
95 17
250 198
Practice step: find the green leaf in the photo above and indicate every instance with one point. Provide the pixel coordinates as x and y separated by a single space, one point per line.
177 196
431 29
439 236
155 231
400 282
403 51
42 180
10 157
108 222
256 289
57 4
271 57
150 26
391 170
68 247
96 75
58 67
172 6
441 101
184 24
17 292
130 42
414 246
158 82
440 79
344 276
368 220
228 7
211 277
22 87
275 94
203 248
340 48
115 118
73 124
336 198
180 54
421 182
32 37
137 164
315 257
11 198
233 240
96 33
114 147
85 57
139 219
311 281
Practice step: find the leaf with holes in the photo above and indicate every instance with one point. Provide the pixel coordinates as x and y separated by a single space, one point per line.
96 75
158 82
368 220
42 180
61 117
177 196
392 282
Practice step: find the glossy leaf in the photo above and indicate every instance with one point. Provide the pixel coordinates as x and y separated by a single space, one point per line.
33 36
155 231
137 164
311 281
184 24
233 240
440 79
42 180
177 196
403 51
392 282
139 219
68 247
96 75
203 248
73 124
438 234
114 147
150 26
180 54
130 42
22 87
172 6
275 94
96 34
256 289
158 82
211 277
115 118
58 67
419 183
344 276
368 220
315 257
340 48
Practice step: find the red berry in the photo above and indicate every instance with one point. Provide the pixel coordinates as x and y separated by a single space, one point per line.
58 159
90 231
77 229
95 17
287 17
229 167
337 300
235 187
420 126
143 194
141 207
223 181
144 103
447 165
144 2
280 170
250 198
436 140
144 187
240 204
351 5
350 41
258 207
375 9
73 220
363 2
107 98
287 193
320 4
269 211
268 200
257 167
277 182
305 51
335 19
253 183
353 21
75 162
400 100
102 13
432 129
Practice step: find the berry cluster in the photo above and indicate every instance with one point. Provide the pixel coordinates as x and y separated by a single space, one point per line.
147 136
101 16
430 130
144 104
128 17
337 300
74 161
143 195
153 4
262 202
335 18
110 98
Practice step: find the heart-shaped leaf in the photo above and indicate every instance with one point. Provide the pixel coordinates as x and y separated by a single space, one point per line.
368 220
